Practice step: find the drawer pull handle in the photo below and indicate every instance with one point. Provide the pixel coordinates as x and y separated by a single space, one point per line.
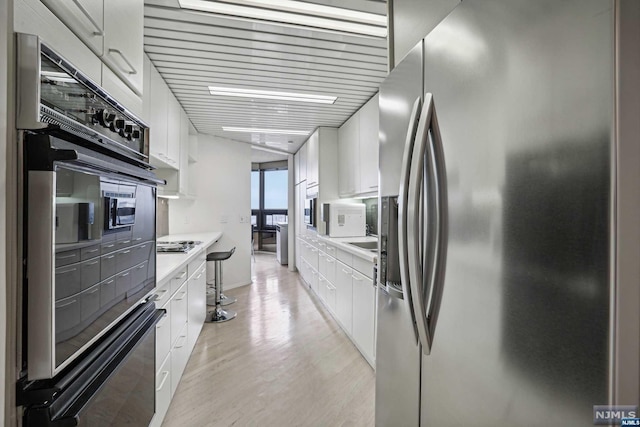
93 263
359 279
87 15
330 261
180 276
109 282
165 375
67 304
124 58
125 252
125 274
141 267
67 256
181 298
93 291
199 276
183 341
90 251
111 257
137 239
110 246
71 270
346 272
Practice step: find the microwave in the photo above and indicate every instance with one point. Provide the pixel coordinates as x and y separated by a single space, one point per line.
310 206
120 210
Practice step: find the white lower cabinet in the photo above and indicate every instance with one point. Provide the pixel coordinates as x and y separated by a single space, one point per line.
185 301
179 358
344 296
163 391
344 284
364 299
197 311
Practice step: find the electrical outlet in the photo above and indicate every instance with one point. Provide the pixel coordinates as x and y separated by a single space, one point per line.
244 219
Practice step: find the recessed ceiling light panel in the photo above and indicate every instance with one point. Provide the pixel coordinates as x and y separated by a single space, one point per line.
269 94
286 12
266 131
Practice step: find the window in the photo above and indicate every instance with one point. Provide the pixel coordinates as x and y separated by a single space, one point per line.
269 201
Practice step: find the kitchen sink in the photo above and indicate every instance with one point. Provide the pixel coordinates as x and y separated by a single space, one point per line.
366 245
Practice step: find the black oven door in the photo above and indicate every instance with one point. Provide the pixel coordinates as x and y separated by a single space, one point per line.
114 385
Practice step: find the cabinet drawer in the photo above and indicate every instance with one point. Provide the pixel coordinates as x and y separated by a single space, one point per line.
344 256
124 259
162 295
140 253
178 307
108 247
123 283
90 252
68 281
67 257
90 273
363 266
89 302
163 388
331 250
163 337
178 280
67 314
195 265
179 358
107 266
107 292
139 275
330 269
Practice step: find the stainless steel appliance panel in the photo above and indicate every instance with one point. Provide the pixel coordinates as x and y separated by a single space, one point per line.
524 93
397 96
397 348
397 364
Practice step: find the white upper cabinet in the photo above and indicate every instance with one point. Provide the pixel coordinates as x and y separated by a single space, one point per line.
313 159
358 152
123 40
173 131
369 126
84 18
348 161
112 29
158 111
302 161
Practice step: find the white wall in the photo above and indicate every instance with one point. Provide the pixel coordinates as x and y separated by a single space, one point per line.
223 188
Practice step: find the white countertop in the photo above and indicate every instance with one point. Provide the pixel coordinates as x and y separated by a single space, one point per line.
343 243
169 263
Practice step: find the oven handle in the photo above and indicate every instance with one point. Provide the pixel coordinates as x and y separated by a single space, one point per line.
42 157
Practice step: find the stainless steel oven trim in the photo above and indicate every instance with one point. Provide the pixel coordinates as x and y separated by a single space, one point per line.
31 115
41 274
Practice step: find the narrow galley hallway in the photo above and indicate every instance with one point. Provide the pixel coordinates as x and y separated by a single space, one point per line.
282 362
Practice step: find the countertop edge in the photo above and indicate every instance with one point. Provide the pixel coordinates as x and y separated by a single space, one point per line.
207 238
360 253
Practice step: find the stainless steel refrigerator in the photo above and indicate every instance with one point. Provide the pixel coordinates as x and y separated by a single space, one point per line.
498 186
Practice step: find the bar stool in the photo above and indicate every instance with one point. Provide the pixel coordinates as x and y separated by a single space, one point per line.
220 315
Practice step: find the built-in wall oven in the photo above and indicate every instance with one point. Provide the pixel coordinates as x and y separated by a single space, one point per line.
89 209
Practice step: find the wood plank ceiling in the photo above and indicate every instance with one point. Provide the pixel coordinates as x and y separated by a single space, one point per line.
194 50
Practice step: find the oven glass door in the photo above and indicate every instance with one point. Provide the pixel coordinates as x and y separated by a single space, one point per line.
127 398
99 274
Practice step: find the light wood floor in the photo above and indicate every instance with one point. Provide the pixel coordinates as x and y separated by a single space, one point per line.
282 362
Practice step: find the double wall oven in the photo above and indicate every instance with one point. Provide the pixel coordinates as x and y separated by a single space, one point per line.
89 209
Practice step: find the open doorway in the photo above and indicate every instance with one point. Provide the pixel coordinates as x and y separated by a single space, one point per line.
269 198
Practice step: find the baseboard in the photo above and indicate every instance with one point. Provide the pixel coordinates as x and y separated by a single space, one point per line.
235 285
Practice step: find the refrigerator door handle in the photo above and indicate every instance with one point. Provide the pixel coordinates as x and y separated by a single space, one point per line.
419 248
441 236
402 213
